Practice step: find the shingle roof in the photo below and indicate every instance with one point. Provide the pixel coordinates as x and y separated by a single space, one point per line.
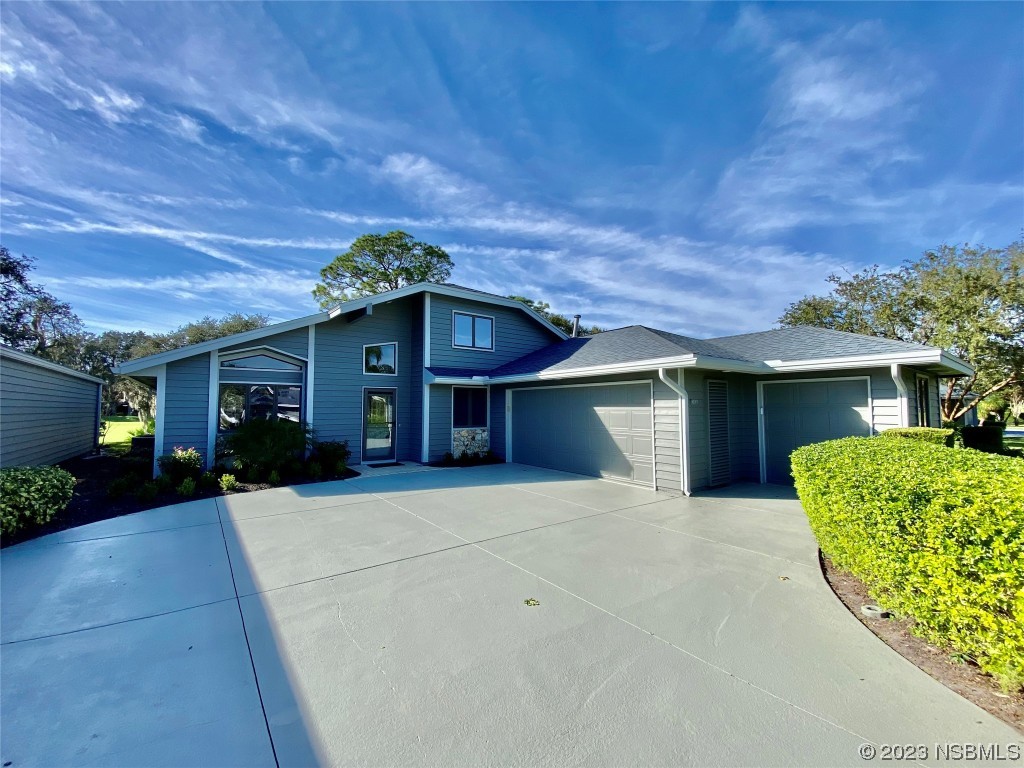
622 345
636 343
803 342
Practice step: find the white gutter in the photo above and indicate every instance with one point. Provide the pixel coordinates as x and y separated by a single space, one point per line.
922 357
901 388
684 424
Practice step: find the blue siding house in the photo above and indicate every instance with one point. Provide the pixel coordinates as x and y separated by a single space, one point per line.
429 369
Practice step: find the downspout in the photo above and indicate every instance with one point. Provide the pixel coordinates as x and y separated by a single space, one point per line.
901 388
684 424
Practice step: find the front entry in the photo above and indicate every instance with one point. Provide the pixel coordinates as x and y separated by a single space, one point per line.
379 425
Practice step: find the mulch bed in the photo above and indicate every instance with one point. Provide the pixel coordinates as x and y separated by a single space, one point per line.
91 503
964 678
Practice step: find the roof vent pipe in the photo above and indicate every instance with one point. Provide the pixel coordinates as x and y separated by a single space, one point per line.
575 326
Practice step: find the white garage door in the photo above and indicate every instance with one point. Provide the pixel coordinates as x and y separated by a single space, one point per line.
796 413
603 430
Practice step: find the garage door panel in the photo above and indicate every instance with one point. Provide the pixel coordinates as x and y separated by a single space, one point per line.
601 430
801 413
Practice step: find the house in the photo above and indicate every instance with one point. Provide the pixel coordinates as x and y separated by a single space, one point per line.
48 413
430 369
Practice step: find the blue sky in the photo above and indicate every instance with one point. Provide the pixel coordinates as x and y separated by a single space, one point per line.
691 167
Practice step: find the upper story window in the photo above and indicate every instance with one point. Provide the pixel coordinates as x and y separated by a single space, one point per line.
380 359
472 331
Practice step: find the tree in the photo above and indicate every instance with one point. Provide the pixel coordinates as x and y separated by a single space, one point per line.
967 299
379 263
561 322
31 319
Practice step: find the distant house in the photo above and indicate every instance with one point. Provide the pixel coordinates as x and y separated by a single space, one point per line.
430 369
48 413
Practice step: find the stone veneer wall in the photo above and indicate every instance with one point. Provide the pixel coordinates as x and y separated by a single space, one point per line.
470 440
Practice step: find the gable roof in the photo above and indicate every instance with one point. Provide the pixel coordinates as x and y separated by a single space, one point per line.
447 289
39 362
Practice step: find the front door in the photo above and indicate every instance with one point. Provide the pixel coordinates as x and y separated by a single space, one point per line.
379 425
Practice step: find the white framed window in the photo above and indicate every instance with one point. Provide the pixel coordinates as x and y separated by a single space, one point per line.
240 403
472 331
380 359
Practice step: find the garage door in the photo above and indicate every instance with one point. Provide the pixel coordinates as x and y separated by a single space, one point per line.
803 412
603 430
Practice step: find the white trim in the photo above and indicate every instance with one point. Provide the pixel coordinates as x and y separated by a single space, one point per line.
494 327
425 437
362 425
901 394
161 408
654 448
135 366
932 355
237 354
310 372
684 425
28 359
213 416
248 382
452 427
760 410
654 445
426 329
382 344
444 290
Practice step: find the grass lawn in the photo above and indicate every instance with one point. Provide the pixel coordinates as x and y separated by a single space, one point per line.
118 438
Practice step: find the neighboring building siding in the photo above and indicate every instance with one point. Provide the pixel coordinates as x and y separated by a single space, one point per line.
294 342
186 407
515 334
339 379
45 416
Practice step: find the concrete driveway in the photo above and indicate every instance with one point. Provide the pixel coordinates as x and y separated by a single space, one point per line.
383 621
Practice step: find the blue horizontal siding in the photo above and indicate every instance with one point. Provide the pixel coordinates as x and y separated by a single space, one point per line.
515 334
294 342
186 404
339 379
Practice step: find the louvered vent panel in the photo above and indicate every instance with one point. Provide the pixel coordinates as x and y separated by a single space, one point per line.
718 432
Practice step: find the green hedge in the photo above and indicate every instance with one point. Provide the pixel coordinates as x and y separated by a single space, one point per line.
936 534
32 495
927 434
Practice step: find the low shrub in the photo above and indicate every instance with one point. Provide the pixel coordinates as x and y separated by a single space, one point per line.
207 481
228 483
147 492
32 495
331 453
187 487
935 534
121 486
274 478
314 470
934 435
149 428
182 464
267 445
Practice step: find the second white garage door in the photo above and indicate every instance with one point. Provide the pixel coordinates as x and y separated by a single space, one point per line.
603 430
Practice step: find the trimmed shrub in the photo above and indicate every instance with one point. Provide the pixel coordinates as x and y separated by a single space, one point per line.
936 535
208 481
183 464
263 446
228 483
927 434
32 495
275 478
331 453
187 487
314 470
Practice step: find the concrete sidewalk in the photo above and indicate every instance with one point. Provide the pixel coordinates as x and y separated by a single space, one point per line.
383 621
